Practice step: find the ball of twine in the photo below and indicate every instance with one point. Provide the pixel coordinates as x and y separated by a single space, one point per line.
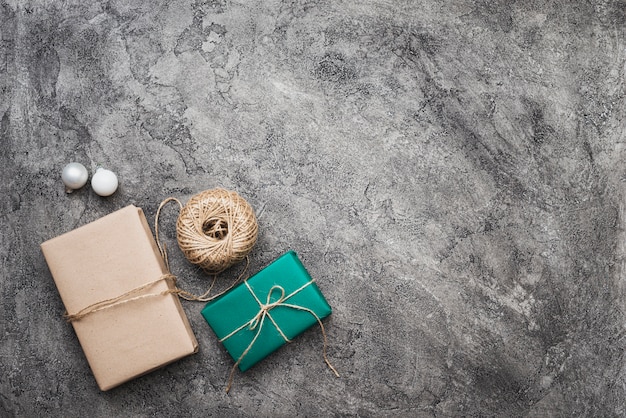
216 229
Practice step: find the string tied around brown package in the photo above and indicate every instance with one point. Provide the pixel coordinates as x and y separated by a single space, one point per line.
122 299
257 321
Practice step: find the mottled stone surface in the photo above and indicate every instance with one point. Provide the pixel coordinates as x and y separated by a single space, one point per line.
451 172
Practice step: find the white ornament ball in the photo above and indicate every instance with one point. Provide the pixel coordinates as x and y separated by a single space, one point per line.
104 182
74 176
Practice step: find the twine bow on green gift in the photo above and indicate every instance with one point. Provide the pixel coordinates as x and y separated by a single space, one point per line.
257 321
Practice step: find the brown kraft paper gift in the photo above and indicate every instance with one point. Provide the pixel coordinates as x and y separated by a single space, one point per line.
105 259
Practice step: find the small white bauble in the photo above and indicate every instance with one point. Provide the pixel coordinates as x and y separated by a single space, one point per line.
104 182
74 176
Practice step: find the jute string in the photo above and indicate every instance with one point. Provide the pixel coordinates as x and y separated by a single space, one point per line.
121 299
257 321
216 229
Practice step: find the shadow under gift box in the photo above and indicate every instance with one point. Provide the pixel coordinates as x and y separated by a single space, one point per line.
105 259
238 308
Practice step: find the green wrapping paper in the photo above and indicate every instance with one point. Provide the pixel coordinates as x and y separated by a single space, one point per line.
249 335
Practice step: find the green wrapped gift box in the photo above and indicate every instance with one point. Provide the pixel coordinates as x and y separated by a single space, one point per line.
267 310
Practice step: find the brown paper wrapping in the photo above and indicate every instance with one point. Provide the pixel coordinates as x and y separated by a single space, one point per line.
105 259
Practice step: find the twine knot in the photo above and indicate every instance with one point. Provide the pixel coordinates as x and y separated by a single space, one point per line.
265 308
257 321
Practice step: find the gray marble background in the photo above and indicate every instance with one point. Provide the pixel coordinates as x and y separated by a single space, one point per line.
451 172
